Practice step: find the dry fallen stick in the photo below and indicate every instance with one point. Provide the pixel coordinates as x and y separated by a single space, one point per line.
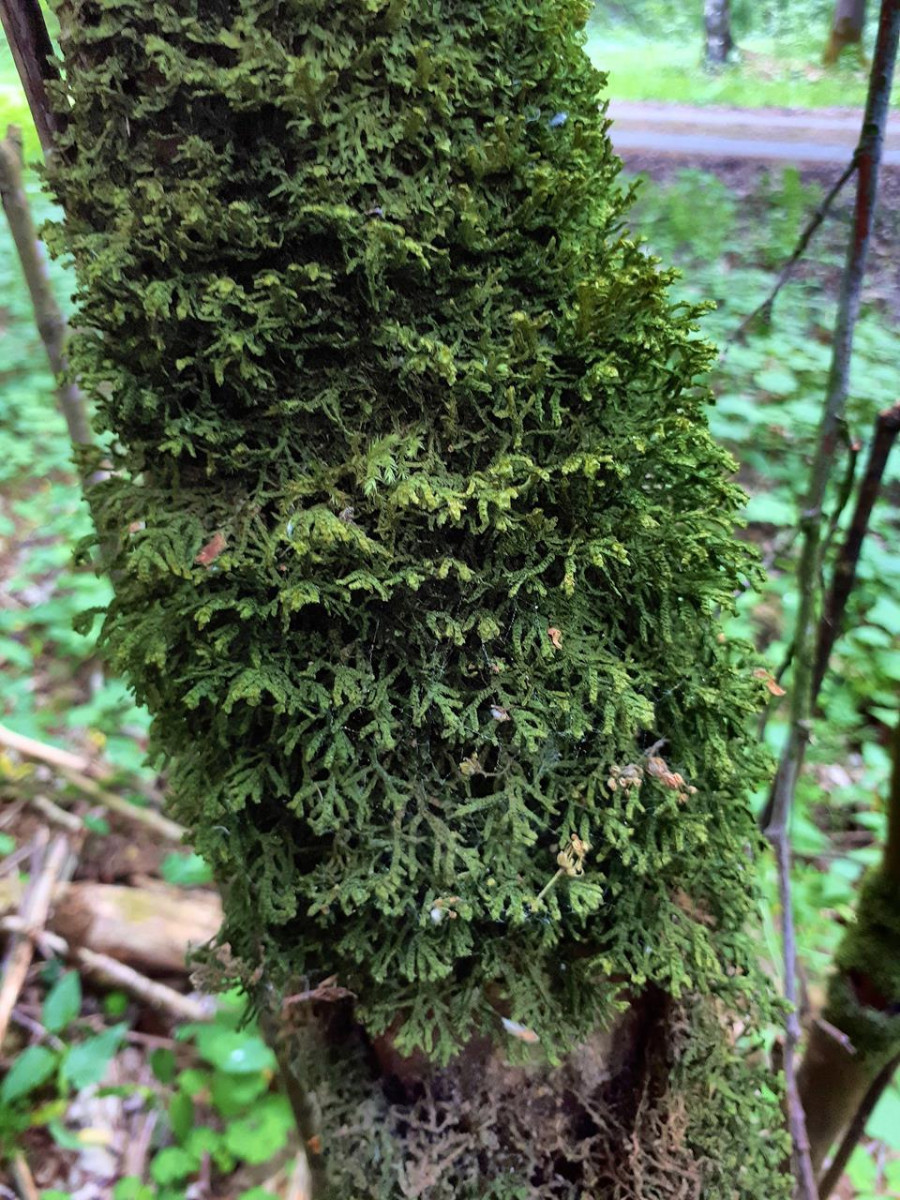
112 973
57 816
23 1178
53 756
148 817
33 916
83 775
152 929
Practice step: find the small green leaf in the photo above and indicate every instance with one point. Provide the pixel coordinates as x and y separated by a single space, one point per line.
131 1188
257 1193
234 1052
96 824
62 1003
31 1068
64 1138
181 1115
194 1081
263 1133
115 1004
185 870
884 1123
162 1064
7 844
87 1062
232 1094
172 1165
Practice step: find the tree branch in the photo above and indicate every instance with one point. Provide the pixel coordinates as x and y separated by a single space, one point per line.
32 51
764 309
868 159
887 426
47 314
856 1128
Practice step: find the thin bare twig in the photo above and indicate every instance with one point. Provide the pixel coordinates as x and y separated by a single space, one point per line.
838 1035
135 1157
792 1033
47 870
112 973
887 426
868 160
51 323
23 1178
80 772
857 1128
32 51
147 817
57 816
764 309
53 756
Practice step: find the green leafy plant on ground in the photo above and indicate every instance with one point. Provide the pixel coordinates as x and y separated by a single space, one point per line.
216 1111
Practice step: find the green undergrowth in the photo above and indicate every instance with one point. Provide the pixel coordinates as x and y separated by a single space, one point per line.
209 1095
769 389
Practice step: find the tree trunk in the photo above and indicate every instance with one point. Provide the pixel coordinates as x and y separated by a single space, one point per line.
426 539
719 42
846 29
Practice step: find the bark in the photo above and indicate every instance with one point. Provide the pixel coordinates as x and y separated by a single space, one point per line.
846 30
840 1079
719 42
832 1081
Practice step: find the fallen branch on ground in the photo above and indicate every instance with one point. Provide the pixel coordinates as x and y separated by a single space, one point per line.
153 929
112 973
52 756
23 1178
48 865
83 775
148 817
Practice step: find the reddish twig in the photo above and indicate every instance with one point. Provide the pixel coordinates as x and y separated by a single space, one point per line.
887 426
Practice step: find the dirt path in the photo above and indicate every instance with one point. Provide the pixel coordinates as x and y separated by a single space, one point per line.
763 135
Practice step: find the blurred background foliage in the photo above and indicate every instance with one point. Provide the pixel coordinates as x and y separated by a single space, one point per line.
653 50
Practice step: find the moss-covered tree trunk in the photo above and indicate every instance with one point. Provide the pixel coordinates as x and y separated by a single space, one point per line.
424 543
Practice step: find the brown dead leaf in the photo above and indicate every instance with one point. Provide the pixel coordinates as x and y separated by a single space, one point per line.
211 550
328 991
769 679
555 636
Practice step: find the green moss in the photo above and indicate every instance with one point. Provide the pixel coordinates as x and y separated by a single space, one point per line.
424 540
864 993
